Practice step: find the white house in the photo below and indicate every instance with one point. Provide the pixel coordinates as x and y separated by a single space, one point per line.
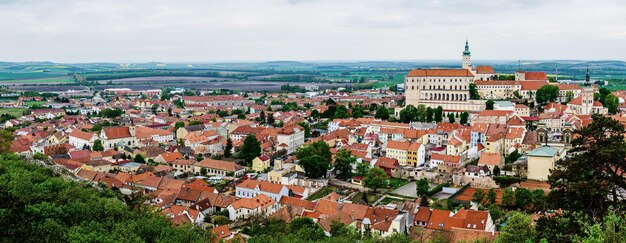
80 139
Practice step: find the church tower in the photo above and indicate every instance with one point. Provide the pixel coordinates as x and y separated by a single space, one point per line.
467 57
587 96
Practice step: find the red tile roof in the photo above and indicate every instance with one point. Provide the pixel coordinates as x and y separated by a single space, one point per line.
440 73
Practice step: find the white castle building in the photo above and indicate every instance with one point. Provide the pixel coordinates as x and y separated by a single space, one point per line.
448 88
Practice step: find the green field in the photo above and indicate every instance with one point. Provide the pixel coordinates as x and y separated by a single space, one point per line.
31 103
397 79
16 112
55 80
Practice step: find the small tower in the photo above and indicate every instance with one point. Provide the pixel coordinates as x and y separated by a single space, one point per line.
467 57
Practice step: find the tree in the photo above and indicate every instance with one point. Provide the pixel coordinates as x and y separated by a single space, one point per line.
569 96
314 158
408 114
375 178
429 114
464 118
178 125
420 114
270 119
314 166
547 93
591 178
362 168
341 112
612 103
489 104
496 171
491 196
228 150
439 114
262 117
250 149
422 187
518 228
343 163
97 145
40 206
611 229
508 198
307 129
382 113
139 159
474 92
479 196
451 118
357 111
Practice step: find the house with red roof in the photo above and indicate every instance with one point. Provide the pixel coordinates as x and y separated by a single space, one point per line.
261 163
82 140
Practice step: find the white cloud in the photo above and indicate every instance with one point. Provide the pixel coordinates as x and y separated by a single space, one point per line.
200 30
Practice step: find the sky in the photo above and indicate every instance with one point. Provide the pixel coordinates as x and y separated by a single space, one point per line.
310 30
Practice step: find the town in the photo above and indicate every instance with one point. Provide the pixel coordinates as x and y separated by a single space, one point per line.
449 154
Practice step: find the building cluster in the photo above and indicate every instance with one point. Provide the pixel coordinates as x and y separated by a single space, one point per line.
173 150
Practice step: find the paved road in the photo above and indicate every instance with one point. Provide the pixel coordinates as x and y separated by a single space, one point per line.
407 190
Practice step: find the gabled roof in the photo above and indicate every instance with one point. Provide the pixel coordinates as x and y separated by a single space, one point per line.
117 132
220 165
262 185
77 133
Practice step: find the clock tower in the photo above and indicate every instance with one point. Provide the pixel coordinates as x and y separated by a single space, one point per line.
467 57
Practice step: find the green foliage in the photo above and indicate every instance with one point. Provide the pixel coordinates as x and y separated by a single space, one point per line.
307 129
314 158
451 118
38 206
438 114
489 104
429 114
547 93
228 149
357 111
375 178
612 103
111 113
505 181
40 156
343 163
321 193
464 118
341 112
512 157
589 180
474 92
97 145
422 187
382 113
362 168
139 159
518 228
220 219
6 138
250 149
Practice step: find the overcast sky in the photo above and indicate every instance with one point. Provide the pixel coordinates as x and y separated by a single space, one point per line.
301 30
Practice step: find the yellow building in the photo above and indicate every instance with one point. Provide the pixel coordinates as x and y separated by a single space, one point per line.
407 153
261 163
541 161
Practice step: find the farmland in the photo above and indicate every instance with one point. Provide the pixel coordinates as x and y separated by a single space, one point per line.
16 112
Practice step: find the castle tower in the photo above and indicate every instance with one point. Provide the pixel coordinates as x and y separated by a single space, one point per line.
467 57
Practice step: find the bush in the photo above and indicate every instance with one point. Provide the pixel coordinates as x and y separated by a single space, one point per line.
220 220
505 181
437 189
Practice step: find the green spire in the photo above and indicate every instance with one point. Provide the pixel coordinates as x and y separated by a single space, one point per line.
467 51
